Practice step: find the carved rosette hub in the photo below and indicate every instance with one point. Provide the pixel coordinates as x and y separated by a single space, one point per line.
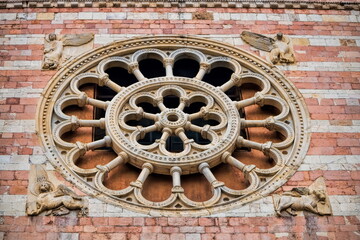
173 121
125 118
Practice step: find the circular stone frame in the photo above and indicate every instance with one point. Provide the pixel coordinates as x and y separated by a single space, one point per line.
164 162
54 97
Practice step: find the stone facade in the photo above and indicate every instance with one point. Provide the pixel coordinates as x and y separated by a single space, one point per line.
326 44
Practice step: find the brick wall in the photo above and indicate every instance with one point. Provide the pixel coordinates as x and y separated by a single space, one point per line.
327 45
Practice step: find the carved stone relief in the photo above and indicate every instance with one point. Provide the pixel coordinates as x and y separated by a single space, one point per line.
45 195
279 47
312 199
60 48
223 136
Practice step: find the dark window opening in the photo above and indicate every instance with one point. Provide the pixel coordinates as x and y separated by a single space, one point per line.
218 76
121 76
202 122
186 68
103 94
197 137
194 107
144 122
171 101
152 68
174 144
150 138
148 107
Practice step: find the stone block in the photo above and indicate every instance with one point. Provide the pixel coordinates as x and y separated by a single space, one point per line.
45 16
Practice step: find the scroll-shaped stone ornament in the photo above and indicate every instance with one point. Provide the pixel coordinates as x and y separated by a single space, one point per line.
312 199
45 196
280 47
59 48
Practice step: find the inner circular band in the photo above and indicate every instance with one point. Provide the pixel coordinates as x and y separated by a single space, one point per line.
173 124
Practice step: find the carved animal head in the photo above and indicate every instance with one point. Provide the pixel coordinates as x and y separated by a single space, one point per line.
45 187
320 194
49 63
52 36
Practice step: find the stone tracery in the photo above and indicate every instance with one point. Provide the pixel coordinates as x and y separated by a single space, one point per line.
222 134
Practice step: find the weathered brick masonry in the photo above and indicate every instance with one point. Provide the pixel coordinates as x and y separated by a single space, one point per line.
327 72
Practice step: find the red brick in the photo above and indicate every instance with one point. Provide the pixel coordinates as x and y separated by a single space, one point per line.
176 221
162 221
17 108
225 236
178 236
90 229
18 190
348 142
224 229
129 229
170 229
162 236
148 236
121 221
150 221
7 175
137 221
152 229
12 101
106 229
336 220
337 175
212 229
194 229
349 228
206 222
353 220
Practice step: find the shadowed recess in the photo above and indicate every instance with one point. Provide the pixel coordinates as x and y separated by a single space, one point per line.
196 187
152 68
254 157
85 112
218 76
82 134
186 68
171 101
255 112
157 187
121 76
93 158
231 176
121 176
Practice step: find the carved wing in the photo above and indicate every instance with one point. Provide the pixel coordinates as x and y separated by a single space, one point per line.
77 39
258 41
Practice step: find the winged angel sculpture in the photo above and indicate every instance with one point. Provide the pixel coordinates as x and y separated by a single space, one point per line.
54 47
279 47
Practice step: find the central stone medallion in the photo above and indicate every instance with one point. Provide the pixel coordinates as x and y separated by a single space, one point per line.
173 118
204 124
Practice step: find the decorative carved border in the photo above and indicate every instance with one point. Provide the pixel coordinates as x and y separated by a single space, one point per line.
285 88
284 4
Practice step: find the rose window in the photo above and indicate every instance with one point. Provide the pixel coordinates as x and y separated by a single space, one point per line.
185 114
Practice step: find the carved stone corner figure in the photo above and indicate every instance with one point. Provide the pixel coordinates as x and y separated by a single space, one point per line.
44 196
55 48
279 47
312 199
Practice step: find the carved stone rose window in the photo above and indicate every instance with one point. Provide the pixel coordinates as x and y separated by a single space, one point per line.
177 112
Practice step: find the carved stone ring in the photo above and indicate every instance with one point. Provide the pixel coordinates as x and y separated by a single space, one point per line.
140 137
